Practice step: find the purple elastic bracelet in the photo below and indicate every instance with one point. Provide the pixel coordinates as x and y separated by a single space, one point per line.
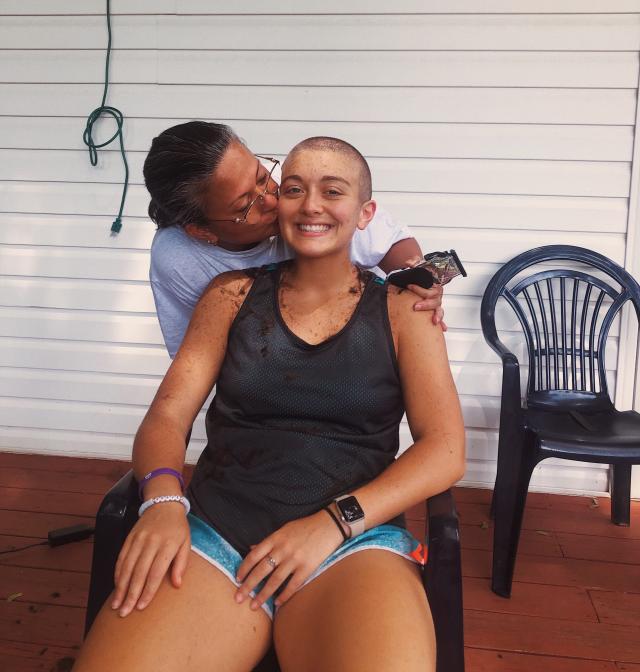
159 472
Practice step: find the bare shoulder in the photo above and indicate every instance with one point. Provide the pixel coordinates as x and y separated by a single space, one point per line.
404 319
222 299
228 289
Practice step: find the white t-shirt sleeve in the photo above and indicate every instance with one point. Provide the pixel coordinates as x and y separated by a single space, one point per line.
370 246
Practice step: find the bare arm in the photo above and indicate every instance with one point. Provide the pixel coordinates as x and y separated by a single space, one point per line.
399 253
160 440
436 459
161 537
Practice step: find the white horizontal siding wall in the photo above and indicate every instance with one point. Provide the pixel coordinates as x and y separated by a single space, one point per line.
491 128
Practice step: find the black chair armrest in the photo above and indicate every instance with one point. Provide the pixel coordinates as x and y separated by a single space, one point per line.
443 581
116 517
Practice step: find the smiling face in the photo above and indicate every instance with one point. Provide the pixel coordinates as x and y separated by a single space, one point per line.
238 179
320 203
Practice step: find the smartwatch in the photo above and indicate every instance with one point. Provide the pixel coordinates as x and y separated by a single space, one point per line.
351 513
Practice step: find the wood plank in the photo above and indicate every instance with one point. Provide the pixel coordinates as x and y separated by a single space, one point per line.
541 569
89 326
79 417
399 32
314 68
592 547
434 140
539 500
586 521
40 479
44 7
371 104
44 586
47 501
349 68
29 657
43 624
151 7
74 557
324 31
617 608
479 660
21 524
628 667
552 637
76 465
382 7
106 264
531 541
570 603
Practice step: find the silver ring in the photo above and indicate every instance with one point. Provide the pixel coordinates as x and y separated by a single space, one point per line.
271 561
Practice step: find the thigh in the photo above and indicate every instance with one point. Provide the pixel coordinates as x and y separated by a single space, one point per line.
193 628
367 612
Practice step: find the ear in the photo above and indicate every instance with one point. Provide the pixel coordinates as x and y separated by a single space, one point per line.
201 234
367 211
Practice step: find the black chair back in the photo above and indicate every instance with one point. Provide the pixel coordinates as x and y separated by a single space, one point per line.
566 316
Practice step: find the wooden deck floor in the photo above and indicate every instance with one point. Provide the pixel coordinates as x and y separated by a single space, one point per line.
575 604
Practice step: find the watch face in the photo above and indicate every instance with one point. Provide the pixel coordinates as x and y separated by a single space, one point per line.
350 509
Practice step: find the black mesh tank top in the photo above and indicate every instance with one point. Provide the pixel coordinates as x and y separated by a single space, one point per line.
294 425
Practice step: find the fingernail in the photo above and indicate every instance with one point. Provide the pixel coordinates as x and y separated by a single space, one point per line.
239 598
115 604
142 605
254 605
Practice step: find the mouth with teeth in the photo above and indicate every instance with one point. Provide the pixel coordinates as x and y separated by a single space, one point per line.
313 229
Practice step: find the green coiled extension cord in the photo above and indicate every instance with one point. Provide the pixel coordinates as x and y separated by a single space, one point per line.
119 119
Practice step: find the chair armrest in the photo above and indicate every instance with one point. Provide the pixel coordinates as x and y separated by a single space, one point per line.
121 499
443 581
116 517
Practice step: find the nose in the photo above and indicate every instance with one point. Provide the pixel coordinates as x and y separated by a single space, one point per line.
311 203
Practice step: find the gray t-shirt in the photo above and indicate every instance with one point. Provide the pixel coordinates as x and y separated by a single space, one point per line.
182 267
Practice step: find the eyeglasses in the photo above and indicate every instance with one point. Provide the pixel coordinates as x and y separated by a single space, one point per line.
259 198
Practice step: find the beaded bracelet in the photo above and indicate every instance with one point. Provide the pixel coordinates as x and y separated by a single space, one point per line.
165 498
159 472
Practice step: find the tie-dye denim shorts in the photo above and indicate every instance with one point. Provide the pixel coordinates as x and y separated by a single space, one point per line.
211 546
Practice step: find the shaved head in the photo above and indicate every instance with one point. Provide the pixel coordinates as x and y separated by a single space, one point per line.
324 143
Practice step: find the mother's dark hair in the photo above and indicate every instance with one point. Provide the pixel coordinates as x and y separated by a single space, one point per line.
177 167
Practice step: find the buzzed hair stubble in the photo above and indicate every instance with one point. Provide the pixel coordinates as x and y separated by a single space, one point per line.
327 143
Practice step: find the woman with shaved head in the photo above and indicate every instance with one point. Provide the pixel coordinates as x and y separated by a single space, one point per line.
294 534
